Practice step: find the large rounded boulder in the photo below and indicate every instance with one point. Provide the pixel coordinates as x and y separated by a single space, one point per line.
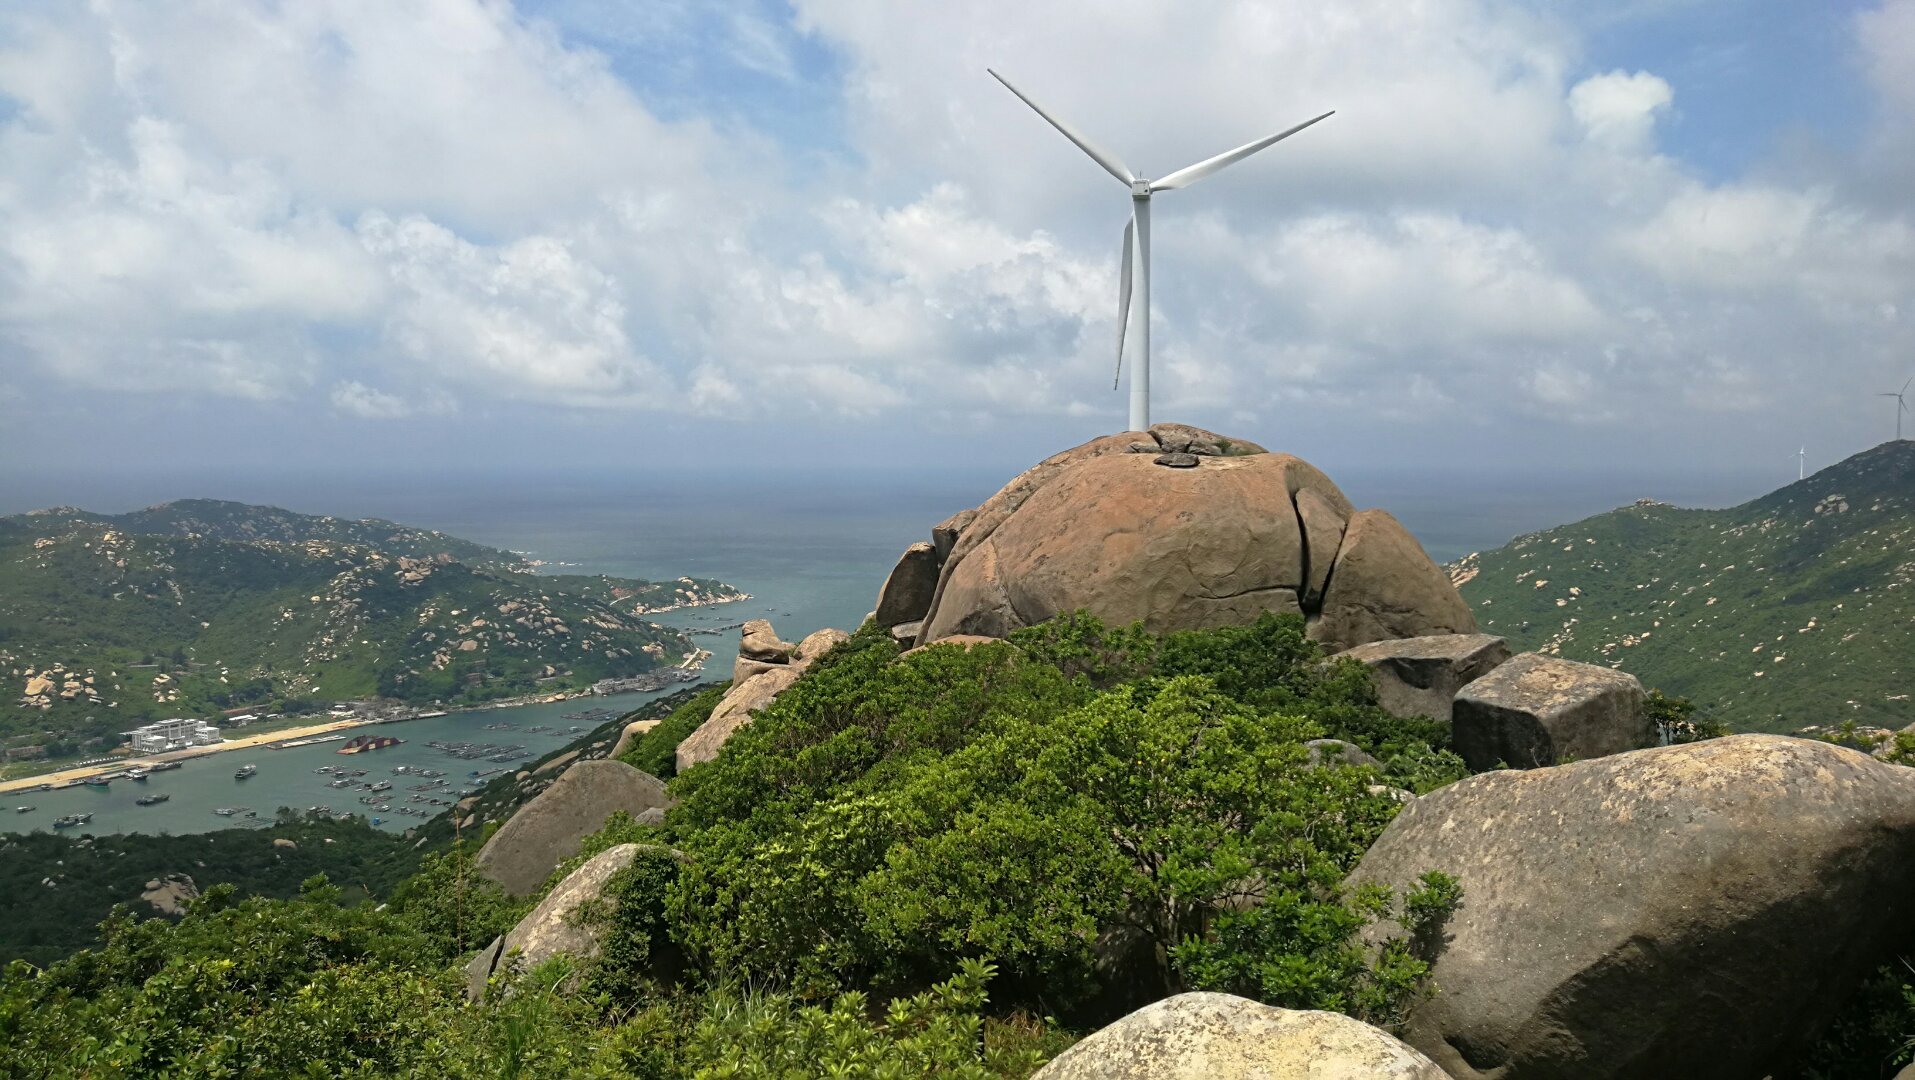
548 830
1204 1036
1181 528
1695 911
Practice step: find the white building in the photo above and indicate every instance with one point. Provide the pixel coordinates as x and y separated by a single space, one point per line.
158 738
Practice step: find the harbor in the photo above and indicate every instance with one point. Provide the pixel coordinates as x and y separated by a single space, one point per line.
402 783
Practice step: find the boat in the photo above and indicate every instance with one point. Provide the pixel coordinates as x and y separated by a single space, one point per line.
136 775
368 742
162 766
381 785
228 811
150 800
23 809
67 821
245 771
100 782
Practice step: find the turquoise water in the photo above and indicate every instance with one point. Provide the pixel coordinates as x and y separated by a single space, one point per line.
287 777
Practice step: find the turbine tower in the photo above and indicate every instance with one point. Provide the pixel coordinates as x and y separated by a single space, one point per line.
1802 463
1901 405
1137 237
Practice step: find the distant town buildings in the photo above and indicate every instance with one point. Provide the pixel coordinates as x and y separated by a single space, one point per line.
158 738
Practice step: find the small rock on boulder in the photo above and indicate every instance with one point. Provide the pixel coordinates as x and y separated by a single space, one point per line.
944 535
906 595
1692 911
760 642
1382 585
745 668
1537 710
732 713
816 644
1420 676
1205 1036
547 831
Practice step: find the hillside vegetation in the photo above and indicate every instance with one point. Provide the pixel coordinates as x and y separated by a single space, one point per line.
942 864
1795 609
192 608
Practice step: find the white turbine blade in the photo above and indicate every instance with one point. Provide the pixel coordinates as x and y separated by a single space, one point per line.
1909 383
1190 174
1097 153
1123 300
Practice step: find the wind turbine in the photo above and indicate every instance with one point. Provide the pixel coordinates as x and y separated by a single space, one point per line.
1802 463
1137 233
1901 405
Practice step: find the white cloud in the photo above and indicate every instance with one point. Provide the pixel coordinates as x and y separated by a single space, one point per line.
357 399
1620 109
386 207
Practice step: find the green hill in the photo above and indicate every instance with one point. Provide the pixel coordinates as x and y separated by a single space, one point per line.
1795 609
193 608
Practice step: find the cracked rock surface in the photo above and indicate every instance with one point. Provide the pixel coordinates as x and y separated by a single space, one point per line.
1228 533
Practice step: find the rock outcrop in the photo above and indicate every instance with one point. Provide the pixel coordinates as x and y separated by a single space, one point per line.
1420 676
547 831
564 923
1383 586
1338 752
1227 533
1204 1036
816 644
766 666
631 734
171 894
757 641
1695 910
732 713
1537 710
906 596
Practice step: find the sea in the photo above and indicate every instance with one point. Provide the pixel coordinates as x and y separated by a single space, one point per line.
812 554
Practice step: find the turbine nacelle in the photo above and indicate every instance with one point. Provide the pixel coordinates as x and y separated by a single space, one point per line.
1140 189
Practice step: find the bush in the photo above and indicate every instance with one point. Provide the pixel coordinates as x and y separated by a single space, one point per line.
656 751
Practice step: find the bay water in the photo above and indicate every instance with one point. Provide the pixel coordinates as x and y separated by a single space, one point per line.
812 555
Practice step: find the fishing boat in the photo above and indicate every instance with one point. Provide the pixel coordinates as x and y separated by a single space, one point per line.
68 821
136 775
23 809
100 782
162 766
381 785
228 811
245 771
151 800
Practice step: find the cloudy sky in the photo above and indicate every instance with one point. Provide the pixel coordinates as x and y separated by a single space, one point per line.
549 235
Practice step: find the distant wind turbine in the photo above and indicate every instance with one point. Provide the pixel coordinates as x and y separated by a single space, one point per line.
1802 463
1901 405
1137 230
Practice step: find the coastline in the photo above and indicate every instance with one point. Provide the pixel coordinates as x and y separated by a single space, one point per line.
687 606
272 740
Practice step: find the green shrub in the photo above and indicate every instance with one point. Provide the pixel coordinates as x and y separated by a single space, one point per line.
656 751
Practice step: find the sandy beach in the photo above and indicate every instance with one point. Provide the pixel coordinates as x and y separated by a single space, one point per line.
27 783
